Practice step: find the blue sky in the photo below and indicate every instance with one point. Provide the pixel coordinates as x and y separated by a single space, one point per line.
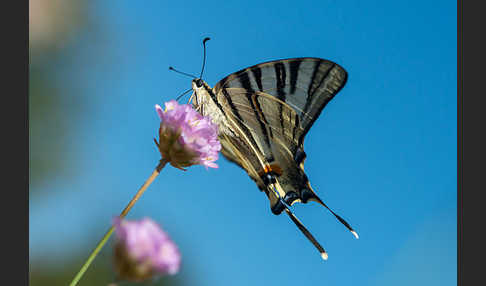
382 154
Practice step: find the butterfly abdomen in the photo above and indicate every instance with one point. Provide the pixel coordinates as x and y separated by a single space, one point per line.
286 181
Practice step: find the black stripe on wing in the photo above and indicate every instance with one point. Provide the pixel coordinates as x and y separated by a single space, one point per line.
243 125
294 71
257 74
255 106
260 118
245 82
280 76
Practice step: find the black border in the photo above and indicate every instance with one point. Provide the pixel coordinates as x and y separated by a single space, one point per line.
15 143
471 142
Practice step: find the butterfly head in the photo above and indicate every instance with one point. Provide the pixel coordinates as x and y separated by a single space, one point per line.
197 83
198 87
200 92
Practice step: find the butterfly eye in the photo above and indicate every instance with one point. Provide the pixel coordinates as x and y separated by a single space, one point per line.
199 82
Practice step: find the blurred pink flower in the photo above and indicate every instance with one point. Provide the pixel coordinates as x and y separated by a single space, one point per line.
186 137
143 250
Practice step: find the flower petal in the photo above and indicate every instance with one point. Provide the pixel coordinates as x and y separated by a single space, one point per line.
159 111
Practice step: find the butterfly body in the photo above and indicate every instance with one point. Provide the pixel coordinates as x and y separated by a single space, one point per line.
208 106
263 113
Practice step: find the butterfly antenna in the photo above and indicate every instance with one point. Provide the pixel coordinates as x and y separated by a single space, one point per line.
185 92
204 57
307 234
345 223
186 74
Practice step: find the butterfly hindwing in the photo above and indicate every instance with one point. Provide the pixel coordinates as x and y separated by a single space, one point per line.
237 152
271 124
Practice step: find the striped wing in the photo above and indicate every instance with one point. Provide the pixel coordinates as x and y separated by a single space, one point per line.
269 109
265 131
304 84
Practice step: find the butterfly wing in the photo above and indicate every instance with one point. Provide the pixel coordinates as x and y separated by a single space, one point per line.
268 109
275 104
304 84
237 152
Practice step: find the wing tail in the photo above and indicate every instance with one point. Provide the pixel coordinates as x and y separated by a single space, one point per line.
315 198
307 234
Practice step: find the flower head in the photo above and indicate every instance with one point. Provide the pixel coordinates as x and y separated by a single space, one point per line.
143 250
186 137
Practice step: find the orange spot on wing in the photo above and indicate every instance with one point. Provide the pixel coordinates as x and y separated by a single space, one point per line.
276 168
273 168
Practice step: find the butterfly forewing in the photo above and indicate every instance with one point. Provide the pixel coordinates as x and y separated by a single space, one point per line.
305 84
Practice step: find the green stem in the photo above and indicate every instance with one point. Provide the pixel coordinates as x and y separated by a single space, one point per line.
105 238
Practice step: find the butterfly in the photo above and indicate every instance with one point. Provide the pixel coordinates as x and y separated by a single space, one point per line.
263 113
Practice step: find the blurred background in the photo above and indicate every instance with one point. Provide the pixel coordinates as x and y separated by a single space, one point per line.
382 154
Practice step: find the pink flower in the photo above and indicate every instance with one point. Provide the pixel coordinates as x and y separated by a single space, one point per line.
186 137
143 250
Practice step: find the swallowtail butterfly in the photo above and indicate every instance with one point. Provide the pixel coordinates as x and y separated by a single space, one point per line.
263 113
